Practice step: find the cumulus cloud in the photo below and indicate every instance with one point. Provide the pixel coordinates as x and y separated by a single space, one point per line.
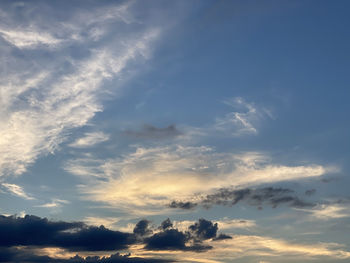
76 236
43 238
152 178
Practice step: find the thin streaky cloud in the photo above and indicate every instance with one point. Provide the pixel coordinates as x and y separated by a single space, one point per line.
17 191
40 115
90 139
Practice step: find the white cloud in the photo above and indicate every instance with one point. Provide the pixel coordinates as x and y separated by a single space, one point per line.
90 139
55 203
252 247
243 121
40 102
150 178
108 222
328 211
17 190
227 223
29 39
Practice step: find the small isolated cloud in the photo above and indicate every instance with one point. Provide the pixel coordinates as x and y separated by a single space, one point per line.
227 223
242 121
17 191
90 139
55 203
152 132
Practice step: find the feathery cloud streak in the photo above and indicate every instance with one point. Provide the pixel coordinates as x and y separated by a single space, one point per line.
44 99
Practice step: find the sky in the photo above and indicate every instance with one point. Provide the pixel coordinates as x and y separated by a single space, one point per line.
174 131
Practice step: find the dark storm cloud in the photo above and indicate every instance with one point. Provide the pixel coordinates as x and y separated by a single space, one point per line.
256 197
36 231
182 205
27 256
152 132
142 228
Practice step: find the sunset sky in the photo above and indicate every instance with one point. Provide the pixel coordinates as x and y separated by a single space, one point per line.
192 130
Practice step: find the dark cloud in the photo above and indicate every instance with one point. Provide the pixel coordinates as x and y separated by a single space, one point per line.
166 224
256 197
204 229
142 228
170 239
222 237
36 231
11 255
182 205
310 192
191 240
152 132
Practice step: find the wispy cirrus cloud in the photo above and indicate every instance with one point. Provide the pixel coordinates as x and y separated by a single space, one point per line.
44 99
17 191
90 139
328 211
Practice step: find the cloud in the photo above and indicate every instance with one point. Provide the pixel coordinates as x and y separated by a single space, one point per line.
204 229
152 132
55 203
34 237
170 238
29 39
328 211
256 197
310 192
76 236
44 99
152 178
90 139
182 205
227 223
222 237
17 190
242 121
142 228
28 256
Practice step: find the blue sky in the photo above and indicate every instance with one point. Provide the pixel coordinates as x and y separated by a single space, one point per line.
232 113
